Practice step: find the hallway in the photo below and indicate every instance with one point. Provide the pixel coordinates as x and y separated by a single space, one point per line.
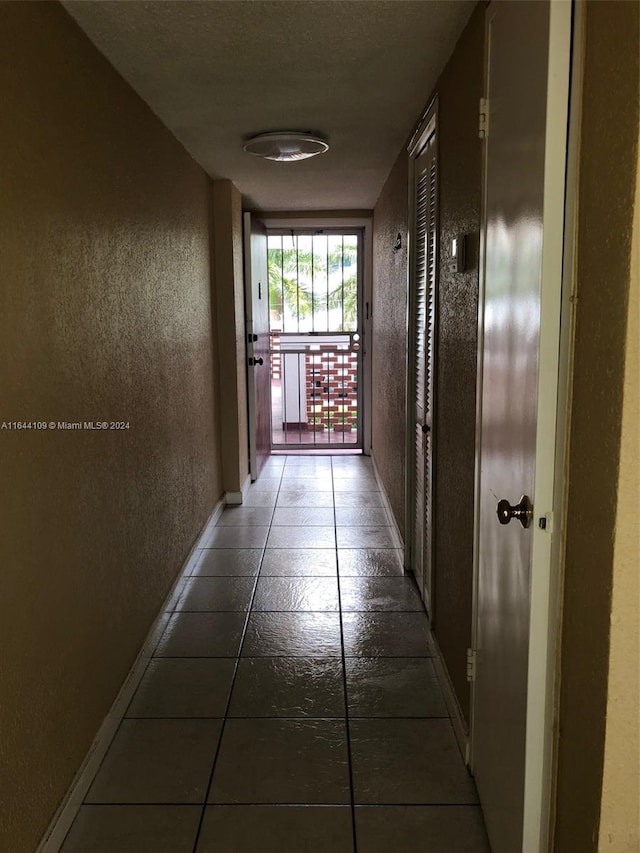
291 704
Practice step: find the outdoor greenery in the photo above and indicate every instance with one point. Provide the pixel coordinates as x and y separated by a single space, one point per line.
306 283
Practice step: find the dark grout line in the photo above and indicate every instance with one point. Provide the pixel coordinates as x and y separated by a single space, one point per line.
345 687
226 711
124 716
288 805
348 717
233 681
266 612
297 657
339 718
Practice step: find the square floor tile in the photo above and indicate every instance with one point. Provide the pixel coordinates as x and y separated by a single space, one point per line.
366 536
304 497
282 761
293 635
368 516
275 462
236 537
357 562
386 634
406 829
260 497
228 562
347 459
281 829
367 593
246 516
202 635
408 761
307 458
184 687
288 687
217 594
301 516
367 483
308 468
302 537
133 829
355 474
157 761
358 499
275 593
319 482
269 479
299 562
342 471
393 687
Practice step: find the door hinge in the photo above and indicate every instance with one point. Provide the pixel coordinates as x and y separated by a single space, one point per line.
471 664
483 120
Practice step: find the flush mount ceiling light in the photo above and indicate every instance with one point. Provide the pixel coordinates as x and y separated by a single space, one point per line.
285 145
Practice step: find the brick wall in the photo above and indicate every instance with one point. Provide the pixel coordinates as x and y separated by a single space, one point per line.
332 390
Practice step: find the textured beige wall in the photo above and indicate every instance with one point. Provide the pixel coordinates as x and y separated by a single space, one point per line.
229 276
460 172
460 175
389 336
105 314
619 814
608 160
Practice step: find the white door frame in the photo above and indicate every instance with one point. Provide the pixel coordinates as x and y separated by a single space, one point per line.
364 224
556 333
251 223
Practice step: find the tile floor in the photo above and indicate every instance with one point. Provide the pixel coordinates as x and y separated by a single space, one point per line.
291 704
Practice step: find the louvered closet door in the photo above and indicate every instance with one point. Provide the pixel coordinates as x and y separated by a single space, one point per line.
424 279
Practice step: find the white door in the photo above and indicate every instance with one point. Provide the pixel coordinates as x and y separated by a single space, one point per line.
257 327
518 146
424 317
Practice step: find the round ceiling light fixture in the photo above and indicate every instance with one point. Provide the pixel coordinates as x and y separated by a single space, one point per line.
286 145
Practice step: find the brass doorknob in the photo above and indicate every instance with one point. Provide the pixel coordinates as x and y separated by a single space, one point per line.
523 511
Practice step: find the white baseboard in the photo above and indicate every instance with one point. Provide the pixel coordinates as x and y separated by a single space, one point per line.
387 506
237 498
453 706
57 831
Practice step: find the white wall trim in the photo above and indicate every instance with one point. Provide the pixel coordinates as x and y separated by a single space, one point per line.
460 728
552 407
453 707
60 825
553 382
237 498
565 388
387 507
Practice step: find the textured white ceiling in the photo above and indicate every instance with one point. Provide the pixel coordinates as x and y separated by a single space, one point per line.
215 72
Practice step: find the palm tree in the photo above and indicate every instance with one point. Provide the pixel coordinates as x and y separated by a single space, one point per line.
293 273
285 287
344 297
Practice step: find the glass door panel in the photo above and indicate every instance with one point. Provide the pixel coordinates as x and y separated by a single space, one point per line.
316 347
